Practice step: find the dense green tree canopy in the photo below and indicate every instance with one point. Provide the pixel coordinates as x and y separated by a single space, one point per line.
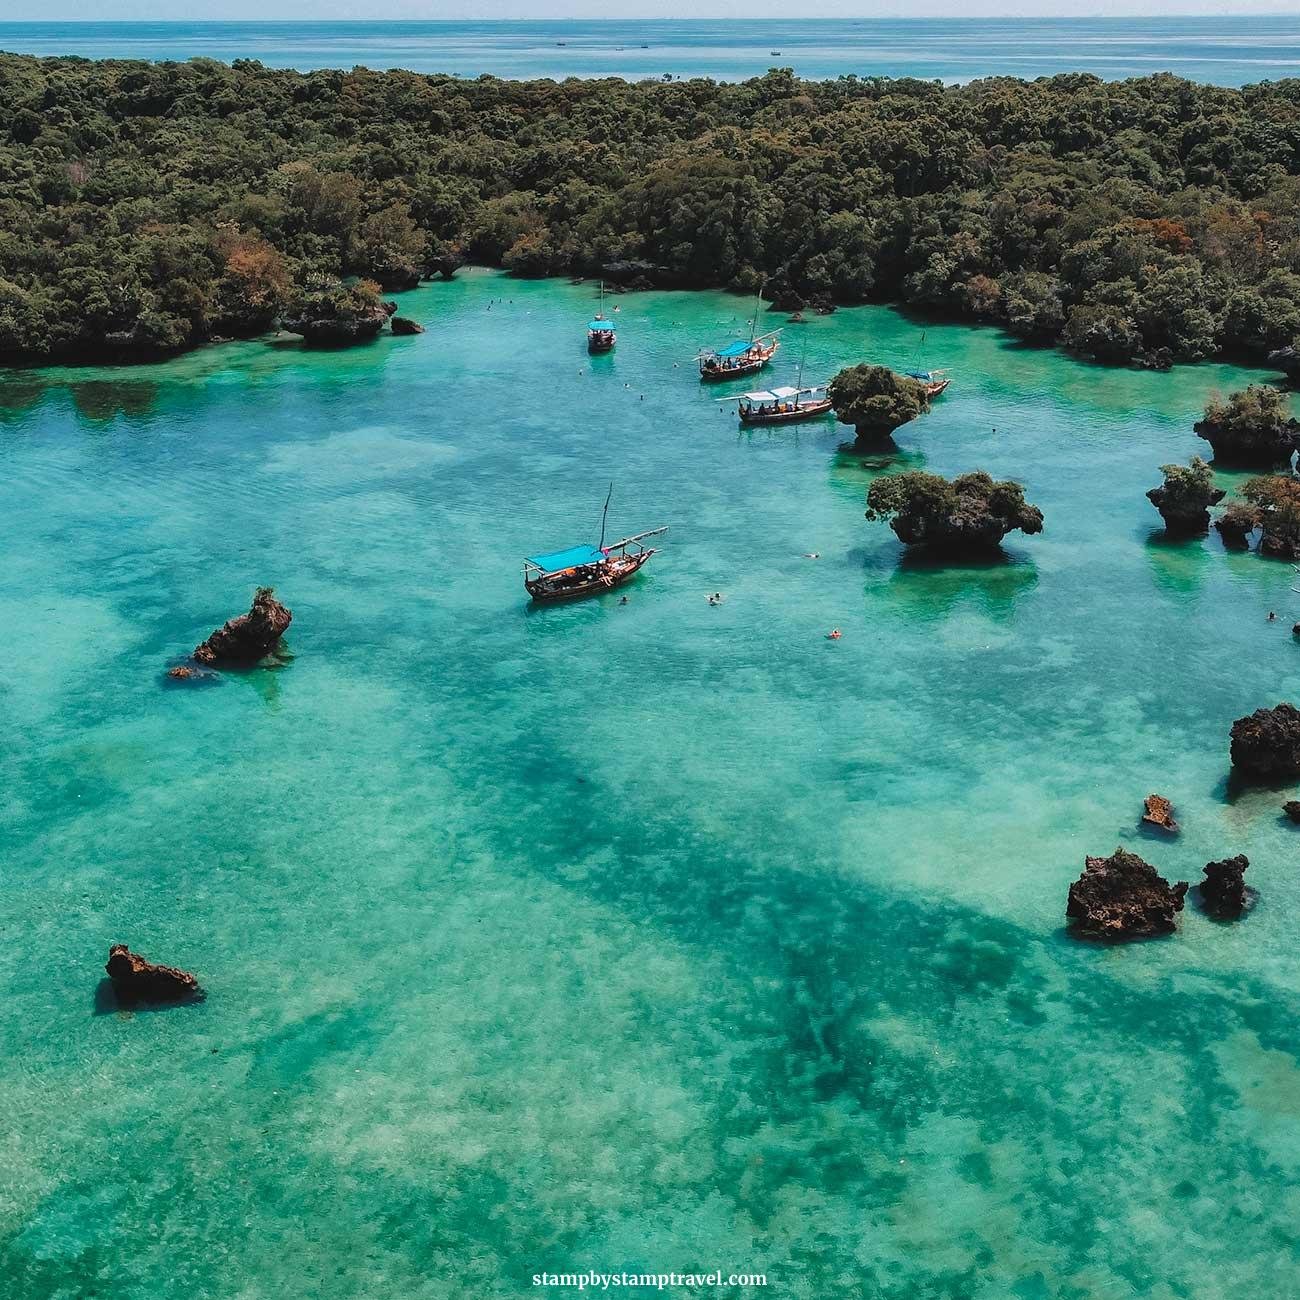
876 400
147 207
970 513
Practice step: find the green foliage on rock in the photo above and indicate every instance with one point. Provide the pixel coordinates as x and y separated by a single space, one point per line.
876 400
1252 427
971 513
1146 221
1185 497
1275 500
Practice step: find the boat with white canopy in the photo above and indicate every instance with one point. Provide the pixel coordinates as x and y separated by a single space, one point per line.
782 405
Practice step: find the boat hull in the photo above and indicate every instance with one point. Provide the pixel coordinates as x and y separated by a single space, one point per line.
809 411
614 573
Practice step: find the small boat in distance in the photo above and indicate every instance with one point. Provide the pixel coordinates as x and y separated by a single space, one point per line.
782 405
600 330
580 571
933 380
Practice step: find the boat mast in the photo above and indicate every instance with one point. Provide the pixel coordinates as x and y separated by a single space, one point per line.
603 515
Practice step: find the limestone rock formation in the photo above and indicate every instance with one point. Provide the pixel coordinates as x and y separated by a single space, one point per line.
136 980
968 516
333 313
1252 427
251 636
1185 497
1236 524
1287 360
405 325
1123 897
1223 891
1266 745
1158 811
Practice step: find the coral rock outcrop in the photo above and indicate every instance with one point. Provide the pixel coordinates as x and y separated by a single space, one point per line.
1123 897
1266 745
1223 891
138 981
251 636
1158 811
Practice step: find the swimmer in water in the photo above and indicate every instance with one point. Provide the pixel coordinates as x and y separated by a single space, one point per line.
833 634
1272 617
812 555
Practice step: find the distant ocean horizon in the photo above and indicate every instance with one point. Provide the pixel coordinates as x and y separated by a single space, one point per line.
1227 51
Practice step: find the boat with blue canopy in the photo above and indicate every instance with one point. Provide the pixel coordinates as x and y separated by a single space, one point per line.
740 357
600 329
586 570
933 380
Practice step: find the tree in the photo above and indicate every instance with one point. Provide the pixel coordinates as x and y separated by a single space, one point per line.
254 287
876 400
1276 502
390 248
1253 427
972 513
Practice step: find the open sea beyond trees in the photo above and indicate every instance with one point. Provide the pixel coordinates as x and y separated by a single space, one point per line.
658 936
1229 51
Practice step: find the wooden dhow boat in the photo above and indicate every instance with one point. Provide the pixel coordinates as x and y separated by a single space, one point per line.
933 380
741 357
782 405
580 571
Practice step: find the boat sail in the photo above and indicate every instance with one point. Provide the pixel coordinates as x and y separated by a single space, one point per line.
600 330
580 571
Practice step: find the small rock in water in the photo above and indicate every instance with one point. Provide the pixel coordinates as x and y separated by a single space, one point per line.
1292 810
1123 897
405 325
1158 811
251 636
136 980
1223 891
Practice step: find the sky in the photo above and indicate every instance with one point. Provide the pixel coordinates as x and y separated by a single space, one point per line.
377 10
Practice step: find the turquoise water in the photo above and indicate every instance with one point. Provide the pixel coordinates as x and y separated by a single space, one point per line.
1229 50
650 936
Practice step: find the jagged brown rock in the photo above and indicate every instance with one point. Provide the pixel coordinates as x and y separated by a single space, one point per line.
251 636
136 980
1123 897
1223 891
405 325
1159 812
1292 810
1266 745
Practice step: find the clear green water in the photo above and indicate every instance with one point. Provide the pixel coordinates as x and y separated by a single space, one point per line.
658 936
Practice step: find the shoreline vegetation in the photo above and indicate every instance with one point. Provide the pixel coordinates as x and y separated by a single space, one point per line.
146 209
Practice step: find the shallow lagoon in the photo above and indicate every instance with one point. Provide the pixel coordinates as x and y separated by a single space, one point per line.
658 936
